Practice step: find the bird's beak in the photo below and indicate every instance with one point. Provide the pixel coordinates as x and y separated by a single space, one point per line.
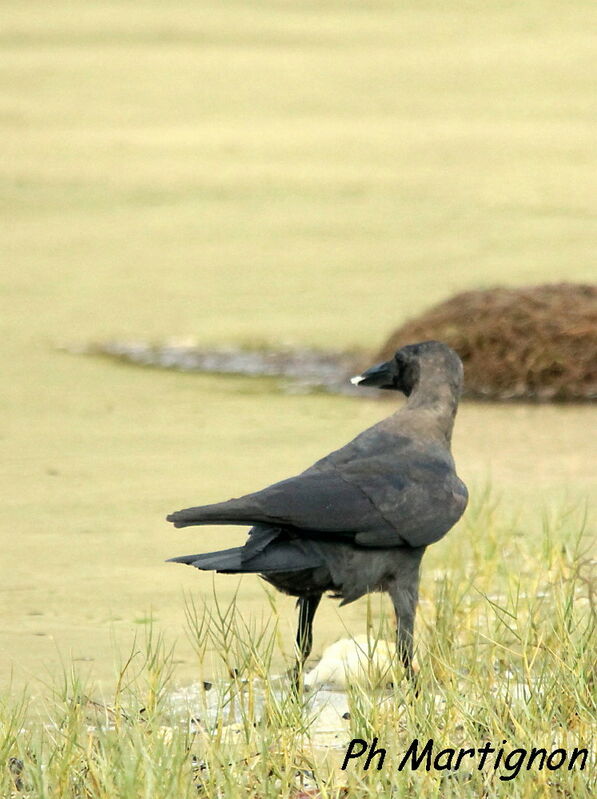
380 376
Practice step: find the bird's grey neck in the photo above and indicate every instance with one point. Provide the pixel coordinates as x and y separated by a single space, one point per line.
437 399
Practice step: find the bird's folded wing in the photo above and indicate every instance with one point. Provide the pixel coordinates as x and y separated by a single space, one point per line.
316 501
375 507
419 506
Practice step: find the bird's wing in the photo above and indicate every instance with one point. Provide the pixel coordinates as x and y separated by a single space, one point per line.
317 501
365 501
420 499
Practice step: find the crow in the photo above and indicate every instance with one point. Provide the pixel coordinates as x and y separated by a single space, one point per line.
359 519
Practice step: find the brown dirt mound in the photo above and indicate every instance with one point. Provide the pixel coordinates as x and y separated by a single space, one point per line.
535 343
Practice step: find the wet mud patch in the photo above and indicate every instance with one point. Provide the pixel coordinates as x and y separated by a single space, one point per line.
226 704
298 370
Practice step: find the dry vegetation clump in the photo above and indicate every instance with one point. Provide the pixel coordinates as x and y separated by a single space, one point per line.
534 343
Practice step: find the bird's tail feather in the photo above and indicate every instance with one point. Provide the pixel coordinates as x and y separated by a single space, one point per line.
226 560
281 557
233 511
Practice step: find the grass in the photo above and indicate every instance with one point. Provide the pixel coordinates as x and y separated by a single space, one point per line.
504 654
278 172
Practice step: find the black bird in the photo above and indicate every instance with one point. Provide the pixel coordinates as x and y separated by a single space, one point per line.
359 519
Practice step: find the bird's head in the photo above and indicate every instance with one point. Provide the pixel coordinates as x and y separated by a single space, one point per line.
410 364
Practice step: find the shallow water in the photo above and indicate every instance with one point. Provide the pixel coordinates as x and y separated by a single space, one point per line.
325 706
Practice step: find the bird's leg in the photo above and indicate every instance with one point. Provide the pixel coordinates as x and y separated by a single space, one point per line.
304 637
405 604
307 606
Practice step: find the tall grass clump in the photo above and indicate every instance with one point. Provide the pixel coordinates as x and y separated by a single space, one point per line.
505 653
